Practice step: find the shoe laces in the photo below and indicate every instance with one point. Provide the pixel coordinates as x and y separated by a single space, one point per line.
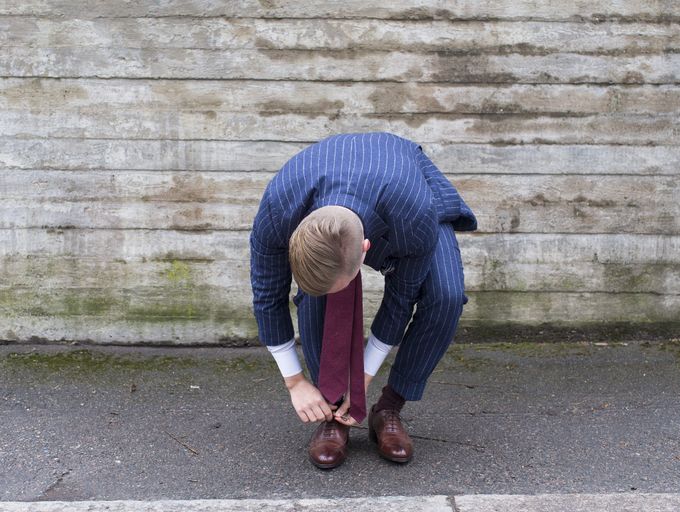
392 421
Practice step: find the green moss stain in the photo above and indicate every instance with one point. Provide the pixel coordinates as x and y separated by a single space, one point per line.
587 309
488 332
67 302
178 273
470 364
246 364
171 257
96 305
181 302
534 349
458 356
167 312
638 277
88 364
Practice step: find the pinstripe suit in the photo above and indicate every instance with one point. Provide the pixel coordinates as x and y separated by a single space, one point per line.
409 211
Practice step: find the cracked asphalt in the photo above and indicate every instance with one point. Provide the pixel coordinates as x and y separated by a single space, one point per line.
107 423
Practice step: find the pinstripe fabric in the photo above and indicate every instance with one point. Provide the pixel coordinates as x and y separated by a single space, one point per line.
434 321
401 198
429 334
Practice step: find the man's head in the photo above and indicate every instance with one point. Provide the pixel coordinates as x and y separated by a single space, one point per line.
327 249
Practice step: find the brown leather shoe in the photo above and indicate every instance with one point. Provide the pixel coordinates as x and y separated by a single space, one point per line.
328 445
385 428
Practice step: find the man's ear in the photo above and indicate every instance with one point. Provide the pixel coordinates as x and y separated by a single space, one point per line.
366 245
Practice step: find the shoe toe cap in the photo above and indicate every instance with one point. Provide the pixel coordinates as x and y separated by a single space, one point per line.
328 457
397 452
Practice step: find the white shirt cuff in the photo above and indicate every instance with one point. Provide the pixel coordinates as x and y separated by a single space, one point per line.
374 355
286 358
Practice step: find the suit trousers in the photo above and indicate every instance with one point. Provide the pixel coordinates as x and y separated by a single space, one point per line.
428 335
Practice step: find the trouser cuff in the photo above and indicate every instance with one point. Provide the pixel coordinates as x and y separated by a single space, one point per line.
411 391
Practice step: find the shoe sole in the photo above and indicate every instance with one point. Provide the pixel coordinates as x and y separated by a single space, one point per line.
374 437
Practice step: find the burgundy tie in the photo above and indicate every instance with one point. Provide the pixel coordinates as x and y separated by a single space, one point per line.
342 349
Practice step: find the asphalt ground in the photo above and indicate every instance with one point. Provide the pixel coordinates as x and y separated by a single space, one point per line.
142 423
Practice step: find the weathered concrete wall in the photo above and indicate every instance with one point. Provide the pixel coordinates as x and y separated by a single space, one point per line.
136 140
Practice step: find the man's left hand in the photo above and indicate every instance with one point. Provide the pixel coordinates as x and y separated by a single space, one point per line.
342 413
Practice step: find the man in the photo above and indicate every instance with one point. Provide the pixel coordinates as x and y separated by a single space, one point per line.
348 200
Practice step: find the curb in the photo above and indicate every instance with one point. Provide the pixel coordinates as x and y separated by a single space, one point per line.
384 504
614 502
619 502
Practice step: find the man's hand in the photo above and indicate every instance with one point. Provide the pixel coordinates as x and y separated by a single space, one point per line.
308 401
342 414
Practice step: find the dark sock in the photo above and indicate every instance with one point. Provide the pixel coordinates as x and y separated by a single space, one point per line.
389 399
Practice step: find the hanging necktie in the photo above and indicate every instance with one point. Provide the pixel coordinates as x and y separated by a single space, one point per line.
342 349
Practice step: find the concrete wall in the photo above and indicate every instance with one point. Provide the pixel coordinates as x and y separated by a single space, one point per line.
136 140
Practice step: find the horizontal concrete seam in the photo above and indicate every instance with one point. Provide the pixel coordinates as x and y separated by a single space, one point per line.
494 85
385 114
482 234
467 290
593 19
412 49
271 172
541 50
386 81
304 141
495 143
505 234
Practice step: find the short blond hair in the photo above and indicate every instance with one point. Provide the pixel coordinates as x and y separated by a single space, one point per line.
325 246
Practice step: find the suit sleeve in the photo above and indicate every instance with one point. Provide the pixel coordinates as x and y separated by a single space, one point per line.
403 286
270 277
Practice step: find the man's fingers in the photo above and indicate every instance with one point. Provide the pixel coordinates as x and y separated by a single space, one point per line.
318 413
311 414
349 421
340 413
344 407
303 416
326 410
340 420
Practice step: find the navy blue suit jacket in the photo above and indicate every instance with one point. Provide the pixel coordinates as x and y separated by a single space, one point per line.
394 188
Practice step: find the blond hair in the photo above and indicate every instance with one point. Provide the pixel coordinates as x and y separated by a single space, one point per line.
325 246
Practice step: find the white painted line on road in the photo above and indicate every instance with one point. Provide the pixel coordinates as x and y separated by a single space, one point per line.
615 502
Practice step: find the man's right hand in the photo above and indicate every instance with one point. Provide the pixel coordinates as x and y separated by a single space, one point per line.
308 401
